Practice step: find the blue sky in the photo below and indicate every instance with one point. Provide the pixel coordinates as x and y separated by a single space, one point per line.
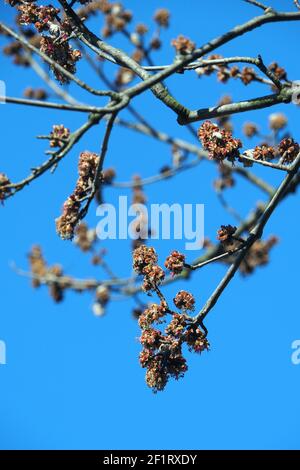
73 380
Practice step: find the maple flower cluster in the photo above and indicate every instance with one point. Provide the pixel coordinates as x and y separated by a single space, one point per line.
288 150
35 93
145 263
40 16
183 45
162 17
63 54
175 262
15 50
258 255
115 16
219 143
67 222
40 269
59 135
54 40
225 233
162 350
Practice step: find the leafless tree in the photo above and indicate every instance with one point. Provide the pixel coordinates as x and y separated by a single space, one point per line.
59 35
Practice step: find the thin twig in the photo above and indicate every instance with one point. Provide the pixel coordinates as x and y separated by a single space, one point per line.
66 107
275 166
220 257
259 5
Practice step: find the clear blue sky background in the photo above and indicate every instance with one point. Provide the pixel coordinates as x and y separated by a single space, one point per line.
73 380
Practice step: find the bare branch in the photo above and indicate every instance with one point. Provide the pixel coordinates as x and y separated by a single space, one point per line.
255 234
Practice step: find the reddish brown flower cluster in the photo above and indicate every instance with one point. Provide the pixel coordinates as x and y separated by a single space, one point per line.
152 314
66 223
38 265
162 17
39 270
4 191
183 45
162 349
175 262
108 175
248 75
138 195
277 121
63 54
145 263
288 149
35 93
225 179
225 233
155 43
264 152
141 29
116 18
177 325
278 71
250 129
15 49
41 17
161 367
209 69
196 340
144 257
219 143
59 135
224 122
162 356
91 8
258 255
184 301
85 237
153 276
151 338
162 353
55 289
